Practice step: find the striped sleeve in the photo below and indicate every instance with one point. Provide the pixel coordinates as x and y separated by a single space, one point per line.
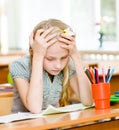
19 69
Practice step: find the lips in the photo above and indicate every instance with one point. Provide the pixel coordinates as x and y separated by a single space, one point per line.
56 71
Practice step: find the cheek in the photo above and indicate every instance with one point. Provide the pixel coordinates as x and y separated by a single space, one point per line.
46 64
64 62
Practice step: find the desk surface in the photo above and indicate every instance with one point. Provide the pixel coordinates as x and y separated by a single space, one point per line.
6 90
6 94
64 120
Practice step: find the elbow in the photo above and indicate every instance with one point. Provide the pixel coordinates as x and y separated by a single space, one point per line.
88 102
34 107
35 111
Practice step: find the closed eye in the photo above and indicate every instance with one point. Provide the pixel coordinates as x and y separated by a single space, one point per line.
64 57
50 59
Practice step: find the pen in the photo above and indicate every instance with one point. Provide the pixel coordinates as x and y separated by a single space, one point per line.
96 75
88 75
108 72
103 74
110 76
92 74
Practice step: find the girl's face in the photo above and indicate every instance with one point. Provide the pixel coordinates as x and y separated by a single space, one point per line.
55 59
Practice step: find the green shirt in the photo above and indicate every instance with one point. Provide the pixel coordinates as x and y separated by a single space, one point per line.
21 68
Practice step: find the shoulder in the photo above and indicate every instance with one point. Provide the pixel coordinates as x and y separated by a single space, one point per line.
20 67
23 61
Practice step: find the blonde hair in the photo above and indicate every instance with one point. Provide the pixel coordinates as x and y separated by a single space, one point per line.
59 25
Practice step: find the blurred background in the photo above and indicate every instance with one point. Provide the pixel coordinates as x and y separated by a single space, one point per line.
96 22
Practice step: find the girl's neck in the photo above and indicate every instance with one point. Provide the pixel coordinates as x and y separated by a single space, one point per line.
51 77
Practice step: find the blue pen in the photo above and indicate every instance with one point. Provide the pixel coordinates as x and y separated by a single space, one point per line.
110 76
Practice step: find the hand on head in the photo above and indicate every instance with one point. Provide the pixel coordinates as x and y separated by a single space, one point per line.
50 32
68 42
42 40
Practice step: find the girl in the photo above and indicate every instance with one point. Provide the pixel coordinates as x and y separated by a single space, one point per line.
53 66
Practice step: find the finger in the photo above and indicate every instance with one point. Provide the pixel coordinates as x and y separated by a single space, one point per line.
31 38
65 46
65 41
51 42
47 39
39 33
65 36
48 31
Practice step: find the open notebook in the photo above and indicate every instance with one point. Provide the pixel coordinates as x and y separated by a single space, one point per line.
69 108
50 110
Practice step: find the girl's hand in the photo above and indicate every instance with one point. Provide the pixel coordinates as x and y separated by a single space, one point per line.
42 40
68 42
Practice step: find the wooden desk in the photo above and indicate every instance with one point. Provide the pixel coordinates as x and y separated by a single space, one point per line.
6 100
6 94
80 120
5 60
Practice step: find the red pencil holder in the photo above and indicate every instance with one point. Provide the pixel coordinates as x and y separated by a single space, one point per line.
101 95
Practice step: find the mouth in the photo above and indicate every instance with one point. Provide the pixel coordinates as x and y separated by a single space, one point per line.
55 71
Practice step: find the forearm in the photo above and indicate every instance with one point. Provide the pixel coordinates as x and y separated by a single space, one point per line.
35 92
83 82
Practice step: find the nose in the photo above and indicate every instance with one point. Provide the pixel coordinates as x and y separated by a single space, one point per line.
58 64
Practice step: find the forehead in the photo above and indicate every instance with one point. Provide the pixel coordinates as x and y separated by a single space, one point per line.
56 50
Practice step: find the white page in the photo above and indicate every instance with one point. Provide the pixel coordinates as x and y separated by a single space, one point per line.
18 116
68 108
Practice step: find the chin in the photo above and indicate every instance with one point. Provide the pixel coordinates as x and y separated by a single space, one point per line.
55 73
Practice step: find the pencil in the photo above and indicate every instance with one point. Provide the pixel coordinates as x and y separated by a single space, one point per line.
110 76
103 74
92 74
96 75
88 75
108 73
